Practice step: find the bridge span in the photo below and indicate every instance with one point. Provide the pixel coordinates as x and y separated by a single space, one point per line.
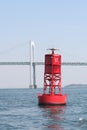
42 63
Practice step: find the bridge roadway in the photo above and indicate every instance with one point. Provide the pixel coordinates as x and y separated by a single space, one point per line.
42 63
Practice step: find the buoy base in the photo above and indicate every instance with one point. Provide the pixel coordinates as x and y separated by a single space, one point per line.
52 99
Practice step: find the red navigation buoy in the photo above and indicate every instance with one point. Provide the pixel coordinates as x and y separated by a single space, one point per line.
52 81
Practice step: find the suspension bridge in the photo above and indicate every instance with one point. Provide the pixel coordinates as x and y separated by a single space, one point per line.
33 65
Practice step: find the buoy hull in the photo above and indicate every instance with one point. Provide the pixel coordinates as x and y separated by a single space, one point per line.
52 99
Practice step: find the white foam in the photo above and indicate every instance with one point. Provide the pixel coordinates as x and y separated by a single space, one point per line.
80 119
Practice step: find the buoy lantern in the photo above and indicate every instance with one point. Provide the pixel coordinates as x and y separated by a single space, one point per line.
52 91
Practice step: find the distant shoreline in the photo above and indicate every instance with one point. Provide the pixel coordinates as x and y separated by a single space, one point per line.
76 85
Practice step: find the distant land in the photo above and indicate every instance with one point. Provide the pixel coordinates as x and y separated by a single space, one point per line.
76 85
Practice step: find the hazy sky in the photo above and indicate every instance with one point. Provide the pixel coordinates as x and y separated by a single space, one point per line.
50 23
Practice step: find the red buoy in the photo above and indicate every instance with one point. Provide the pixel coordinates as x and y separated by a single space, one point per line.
52 81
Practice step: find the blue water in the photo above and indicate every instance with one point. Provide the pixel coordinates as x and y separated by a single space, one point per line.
19 110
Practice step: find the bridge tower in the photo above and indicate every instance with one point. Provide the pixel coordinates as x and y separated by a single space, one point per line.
32 65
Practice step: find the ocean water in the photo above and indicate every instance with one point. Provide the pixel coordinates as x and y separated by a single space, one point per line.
19 110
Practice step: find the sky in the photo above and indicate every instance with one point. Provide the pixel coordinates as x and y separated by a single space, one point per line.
50 23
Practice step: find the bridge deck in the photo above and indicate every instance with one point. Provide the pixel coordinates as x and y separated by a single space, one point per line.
42 63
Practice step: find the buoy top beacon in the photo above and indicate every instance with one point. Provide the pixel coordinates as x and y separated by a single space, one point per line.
52 91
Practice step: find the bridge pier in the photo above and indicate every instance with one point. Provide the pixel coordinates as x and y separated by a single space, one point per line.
34 76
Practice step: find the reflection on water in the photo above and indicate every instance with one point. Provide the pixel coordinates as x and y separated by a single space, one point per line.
53 114
55 127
